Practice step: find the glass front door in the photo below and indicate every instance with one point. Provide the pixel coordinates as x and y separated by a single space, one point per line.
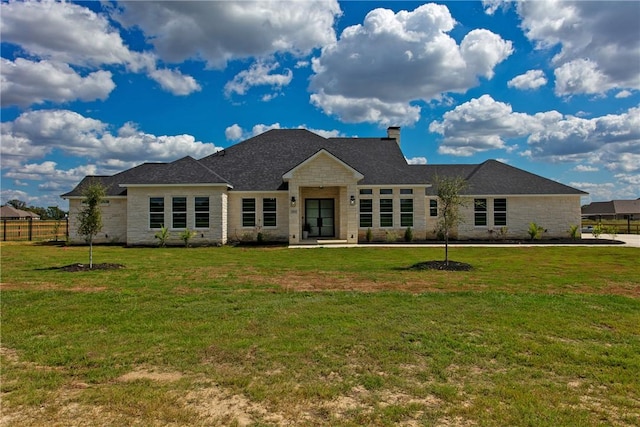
319 213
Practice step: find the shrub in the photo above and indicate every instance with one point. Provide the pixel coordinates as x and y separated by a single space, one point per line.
502 233
260 237
408 234
573 231
535 231
162 236
390 236
611 230
598 229
369 235
186 235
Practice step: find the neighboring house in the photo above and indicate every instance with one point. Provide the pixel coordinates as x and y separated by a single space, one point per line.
9 212
614 209
277 182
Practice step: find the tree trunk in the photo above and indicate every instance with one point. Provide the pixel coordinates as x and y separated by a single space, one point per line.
90 252
446 249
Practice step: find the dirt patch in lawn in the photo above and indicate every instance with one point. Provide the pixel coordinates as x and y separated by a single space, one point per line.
441 265
85 267
150 374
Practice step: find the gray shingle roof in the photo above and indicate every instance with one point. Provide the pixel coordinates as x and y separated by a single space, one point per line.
259 163
613 207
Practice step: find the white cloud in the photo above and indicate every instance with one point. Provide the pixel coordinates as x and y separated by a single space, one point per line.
417 160
532 79
259 74
34 134
233 132
26 82
585 168
377 68
218 32
175 82
64 32
597 42
623 94
483 124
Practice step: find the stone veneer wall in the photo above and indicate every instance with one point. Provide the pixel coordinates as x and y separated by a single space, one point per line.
114 221
554 213
139 233
236 232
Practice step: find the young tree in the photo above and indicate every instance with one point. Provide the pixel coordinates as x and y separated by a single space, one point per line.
449 203
90 217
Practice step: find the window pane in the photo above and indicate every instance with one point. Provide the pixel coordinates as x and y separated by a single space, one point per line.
366 220
386 220
406 205
179 204
500 205
366 191
269 205
386 205
480 205
500 218
366 205
406 191
180 220
156 204
480 218
433 207
386 191
202 204
406 220
156 220
248 212
202 219
500 212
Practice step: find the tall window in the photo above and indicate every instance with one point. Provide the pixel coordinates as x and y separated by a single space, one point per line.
480 212
406 212
179 212
386 212
202 212
156 212
500 212
366 213
269 212
248 212
433 207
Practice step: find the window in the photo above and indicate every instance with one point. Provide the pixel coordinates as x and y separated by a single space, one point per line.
433 207
366 191
248 212
386 191
500 212
269 212
406 191
179 212
202 212
386 212
406 212
480 212
366 213
156 212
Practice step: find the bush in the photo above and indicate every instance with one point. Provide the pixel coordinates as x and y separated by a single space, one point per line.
369 235
408 234
573 231
162 236
186 235
535 231
390 236
598 229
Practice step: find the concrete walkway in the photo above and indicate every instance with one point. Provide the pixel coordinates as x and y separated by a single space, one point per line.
630 240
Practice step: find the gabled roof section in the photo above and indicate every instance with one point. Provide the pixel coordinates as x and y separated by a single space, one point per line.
112 183
289 174
613 207
493 177
9 212
184 171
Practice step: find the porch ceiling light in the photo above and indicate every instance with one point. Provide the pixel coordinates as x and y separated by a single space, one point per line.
293 201
352 200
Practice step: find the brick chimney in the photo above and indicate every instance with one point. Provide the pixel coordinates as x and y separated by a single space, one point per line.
393 132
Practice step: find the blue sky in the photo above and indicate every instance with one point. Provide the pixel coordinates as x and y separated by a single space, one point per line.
99 87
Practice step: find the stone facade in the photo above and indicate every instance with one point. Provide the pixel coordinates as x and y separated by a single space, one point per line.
114 221
236 232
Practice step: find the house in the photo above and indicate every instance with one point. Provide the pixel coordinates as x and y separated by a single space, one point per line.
613 209
276 183
11 213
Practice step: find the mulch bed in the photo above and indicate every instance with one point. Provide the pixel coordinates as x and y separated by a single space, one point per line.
441 265
85 267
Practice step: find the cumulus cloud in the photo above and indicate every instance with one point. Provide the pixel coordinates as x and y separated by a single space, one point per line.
585 168
597 42
62 35
34 134
259 74
175 82
532 79
484 124
218 32
377 68
417 160
236 133
26 82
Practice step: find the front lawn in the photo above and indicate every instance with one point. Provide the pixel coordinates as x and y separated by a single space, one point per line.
347 337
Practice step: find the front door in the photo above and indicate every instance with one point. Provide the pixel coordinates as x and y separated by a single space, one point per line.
319 213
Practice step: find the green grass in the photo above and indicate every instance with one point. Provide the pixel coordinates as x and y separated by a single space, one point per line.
267 336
